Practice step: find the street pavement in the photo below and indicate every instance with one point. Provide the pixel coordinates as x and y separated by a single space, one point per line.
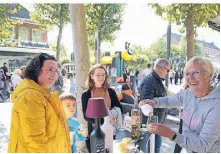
5 120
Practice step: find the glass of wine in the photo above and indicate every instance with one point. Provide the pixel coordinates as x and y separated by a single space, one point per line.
152 119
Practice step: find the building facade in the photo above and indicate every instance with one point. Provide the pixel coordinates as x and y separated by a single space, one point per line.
209 49
27 40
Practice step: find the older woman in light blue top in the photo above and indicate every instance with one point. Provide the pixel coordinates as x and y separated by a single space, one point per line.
201 110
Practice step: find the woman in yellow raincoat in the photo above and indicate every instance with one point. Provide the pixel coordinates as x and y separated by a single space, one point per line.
38 119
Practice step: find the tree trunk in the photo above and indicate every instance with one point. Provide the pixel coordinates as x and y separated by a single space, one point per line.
59 35
81 52
58 44
97 47
190 35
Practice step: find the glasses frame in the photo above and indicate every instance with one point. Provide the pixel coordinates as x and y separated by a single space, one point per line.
168 70
194 74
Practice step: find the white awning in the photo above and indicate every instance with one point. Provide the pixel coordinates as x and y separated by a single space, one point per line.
27 50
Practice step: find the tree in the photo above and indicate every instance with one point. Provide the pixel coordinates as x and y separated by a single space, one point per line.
7 23
190 16
80 46
63 51
48 15
103 20
142 55
183 47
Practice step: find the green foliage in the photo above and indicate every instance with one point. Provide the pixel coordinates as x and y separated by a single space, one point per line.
177 13
189 16
106 18
7 23
142 54
183 48
64 61
48 15
63 51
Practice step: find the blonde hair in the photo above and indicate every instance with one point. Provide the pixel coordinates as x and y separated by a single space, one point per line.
90 82
17 72
204 62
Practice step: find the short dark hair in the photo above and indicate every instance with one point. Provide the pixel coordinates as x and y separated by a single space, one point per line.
67 95
4 63
148 65
34 67
125 86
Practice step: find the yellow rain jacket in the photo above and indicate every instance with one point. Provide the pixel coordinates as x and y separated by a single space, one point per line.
38 121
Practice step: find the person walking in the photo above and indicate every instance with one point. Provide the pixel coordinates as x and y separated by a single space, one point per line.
151 87
176 77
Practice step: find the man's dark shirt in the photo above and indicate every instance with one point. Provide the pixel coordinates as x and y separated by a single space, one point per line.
5 69
151 87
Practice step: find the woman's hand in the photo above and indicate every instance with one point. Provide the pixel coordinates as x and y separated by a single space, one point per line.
151 102
112 121
83 132
161 130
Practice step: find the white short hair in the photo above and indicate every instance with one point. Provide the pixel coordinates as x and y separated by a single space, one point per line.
205 62
161 62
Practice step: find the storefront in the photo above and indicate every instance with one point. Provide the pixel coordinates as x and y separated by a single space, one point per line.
16 57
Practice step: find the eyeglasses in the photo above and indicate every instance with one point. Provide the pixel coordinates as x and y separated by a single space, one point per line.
50 70
168 70
195 74
100 76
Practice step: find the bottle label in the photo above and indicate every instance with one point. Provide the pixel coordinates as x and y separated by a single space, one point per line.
135 120
100 146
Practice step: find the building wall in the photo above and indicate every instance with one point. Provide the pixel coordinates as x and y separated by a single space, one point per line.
30 27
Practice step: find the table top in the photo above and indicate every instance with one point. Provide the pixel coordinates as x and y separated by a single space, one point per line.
124 133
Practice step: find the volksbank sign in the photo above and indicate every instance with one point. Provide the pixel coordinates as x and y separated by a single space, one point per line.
33 44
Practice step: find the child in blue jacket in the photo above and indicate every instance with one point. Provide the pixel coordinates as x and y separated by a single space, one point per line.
69 105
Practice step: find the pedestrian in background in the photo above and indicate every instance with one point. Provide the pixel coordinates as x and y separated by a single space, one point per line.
59 83
22 68
16 78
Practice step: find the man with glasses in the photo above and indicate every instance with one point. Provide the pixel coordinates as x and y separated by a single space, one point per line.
151 87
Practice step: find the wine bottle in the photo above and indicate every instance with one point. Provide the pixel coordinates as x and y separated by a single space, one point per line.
97 138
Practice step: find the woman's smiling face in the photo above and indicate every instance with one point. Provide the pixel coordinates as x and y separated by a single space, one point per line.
196 78
48 74
99 77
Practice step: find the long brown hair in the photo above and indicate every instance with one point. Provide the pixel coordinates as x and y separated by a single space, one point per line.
90 82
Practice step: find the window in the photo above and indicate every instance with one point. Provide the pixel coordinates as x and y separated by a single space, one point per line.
23 33
36 35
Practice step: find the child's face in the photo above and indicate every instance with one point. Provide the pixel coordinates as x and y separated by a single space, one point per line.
69 107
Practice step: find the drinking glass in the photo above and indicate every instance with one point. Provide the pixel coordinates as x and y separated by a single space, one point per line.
152 119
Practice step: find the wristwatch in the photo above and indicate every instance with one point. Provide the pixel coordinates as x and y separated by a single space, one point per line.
174 137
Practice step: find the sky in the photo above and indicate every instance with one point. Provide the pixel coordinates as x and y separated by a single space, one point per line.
140 26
